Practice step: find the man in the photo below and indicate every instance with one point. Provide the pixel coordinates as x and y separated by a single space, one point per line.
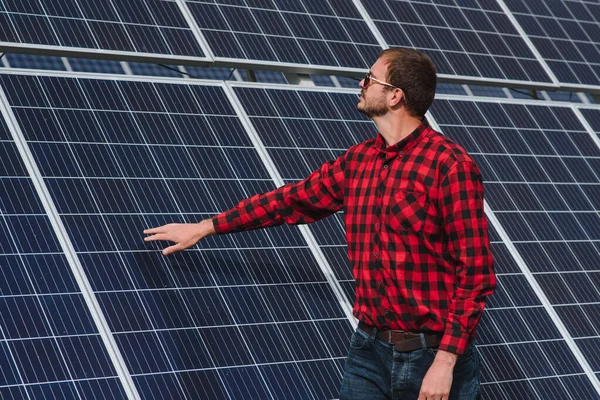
417 239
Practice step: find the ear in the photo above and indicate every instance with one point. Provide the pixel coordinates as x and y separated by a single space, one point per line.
397 97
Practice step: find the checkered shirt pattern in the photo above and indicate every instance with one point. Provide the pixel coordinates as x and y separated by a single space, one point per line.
415 226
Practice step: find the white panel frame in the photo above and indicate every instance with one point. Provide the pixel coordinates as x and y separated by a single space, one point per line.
115 55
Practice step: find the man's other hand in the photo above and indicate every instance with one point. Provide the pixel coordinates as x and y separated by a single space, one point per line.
438 379
184 235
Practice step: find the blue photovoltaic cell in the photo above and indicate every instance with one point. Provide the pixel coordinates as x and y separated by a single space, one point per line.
225 320
567 35
50 347
541 170
473 39
137 26
592 116
313 32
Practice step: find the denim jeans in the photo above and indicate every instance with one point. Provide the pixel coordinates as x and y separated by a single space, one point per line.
375 370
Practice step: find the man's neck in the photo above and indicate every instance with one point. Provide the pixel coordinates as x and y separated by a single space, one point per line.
394 128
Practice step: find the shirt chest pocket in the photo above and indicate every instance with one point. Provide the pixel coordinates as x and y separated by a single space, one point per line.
408 211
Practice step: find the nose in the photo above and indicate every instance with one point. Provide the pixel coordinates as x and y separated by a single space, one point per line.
361 83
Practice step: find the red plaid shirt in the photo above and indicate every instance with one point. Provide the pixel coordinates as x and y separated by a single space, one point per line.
417 234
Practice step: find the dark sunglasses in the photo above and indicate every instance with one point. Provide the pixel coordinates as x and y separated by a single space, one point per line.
368 78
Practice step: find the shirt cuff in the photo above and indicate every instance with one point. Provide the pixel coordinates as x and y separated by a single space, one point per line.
222 223
455 340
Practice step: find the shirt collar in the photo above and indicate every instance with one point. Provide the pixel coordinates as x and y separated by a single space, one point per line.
406 143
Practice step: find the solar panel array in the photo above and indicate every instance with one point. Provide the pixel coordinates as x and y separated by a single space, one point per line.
203 323
306 32
567 35
90 310
474 39
143 27
115 163
542 43
51 347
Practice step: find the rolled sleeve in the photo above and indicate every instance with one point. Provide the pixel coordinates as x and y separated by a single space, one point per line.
318 196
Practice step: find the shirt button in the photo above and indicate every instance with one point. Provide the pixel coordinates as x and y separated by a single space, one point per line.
385 166
379 283
387 312
375 254
376 224
401 152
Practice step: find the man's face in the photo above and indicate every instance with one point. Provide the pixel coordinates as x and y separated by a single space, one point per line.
373 98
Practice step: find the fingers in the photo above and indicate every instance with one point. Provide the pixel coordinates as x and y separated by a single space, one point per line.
172 233
157 233
172 249
152 238
153 230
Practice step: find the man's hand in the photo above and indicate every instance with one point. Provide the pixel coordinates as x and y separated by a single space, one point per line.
438 379
184 235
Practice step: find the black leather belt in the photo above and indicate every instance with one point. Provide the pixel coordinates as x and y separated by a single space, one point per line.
403 341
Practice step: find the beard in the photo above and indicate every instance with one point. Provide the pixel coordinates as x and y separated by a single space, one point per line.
373 107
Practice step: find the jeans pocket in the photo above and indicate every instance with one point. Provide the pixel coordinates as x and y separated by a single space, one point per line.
466 357
433 351
359 339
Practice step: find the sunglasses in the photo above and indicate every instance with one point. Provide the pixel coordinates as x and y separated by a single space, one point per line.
368 78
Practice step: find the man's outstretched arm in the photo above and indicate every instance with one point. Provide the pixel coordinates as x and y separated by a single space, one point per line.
319 195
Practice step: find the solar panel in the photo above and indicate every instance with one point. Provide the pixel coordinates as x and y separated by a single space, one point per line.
464 39
540 167
566 33
150 29
308 35
50 344
245 315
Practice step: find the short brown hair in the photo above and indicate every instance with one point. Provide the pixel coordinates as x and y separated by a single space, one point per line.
414 73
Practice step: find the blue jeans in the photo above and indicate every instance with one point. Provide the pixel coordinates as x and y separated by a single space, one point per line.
375 370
